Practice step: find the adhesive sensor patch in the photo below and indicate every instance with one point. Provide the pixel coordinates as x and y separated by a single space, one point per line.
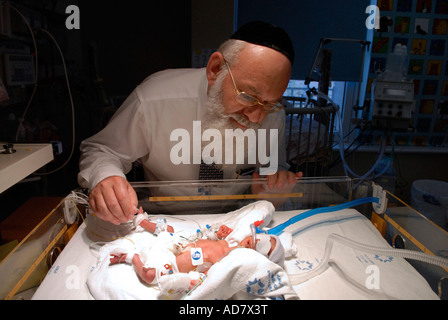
196 256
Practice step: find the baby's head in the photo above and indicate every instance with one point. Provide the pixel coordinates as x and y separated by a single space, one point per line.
268 245
271 247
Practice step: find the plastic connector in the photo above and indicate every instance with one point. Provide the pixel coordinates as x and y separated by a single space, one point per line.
379 193
258 223
70 212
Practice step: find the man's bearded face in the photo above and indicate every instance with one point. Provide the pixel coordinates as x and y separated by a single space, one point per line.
217 118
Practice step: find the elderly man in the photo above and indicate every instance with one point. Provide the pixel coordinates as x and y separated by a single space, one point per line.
240 89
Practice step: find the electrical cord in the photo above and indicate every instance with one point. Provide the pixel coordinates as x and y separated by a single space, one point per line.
71 104
36 60
36 68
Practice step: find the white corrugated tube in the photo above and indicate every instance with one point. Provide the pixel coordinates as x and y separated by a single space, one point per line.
399 253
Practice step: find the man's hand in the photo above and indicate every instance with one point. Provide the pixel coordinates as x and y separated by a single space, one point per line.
114 200
280 182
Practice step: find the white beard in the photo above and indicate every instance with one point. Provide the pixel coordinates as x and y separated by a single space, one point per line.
216 118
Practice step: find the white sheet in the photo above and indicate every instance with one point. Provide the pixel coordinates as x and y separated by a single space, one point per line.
67 278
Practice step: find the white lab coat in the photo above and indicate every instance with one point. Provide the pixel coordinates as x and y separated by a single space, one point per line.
141 129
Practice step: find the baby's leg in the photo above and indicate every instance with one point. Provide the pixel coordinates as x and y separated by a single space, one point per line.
146 274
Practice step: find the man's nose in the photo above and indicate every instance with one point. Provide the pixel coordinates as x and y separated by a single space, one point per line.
255 113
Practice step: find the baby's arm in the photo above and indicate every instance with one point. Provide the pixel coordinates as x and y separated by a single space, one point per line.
142 221
223 231
248 243
151 226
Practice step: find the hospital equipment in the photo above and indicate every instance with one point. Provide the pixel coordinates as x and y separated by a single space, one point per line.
309 135
382 162
56 258
393 94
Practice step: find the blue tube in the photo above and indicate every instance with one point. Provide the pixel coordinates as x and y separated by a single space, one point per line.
279 229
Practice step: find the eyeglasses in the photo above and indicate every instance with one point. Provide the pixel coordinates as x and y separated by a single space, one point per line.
250 101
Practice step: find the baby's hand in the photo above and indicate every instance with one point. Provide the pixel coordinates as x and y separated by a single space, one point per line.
248 242
118 258
223 231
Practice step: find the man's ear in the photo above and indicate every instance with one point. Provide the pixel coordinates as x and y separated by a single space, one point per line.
214 67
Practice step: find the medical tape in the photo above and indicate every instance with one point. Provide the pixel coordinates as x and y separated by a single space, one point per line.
263 244
161 225
139 218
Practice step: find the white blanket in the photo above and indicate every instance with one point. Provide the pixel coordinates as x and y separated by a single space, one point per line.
261 278
232 275
242 274
120 281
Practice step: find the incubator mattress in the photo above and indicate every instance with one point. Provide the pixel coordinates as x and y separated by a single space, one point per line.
352 275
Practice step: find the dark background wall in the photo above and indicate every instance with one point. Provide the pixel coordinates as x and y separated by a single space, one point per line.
118 45
135 39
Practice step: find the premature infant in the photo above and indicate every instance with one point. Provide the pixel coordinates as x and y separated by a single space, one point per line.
169 255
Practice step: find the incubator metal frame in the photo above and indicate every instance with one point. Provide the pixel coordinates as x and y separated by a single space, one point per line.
406 228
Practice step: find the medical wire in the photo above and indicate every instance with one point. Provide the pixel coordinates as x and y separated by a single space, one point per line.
80 198
71 104
36 66
178 218
36 60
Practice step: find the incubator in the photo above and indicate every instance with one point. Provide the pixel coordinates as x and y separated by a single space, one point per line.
343 248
